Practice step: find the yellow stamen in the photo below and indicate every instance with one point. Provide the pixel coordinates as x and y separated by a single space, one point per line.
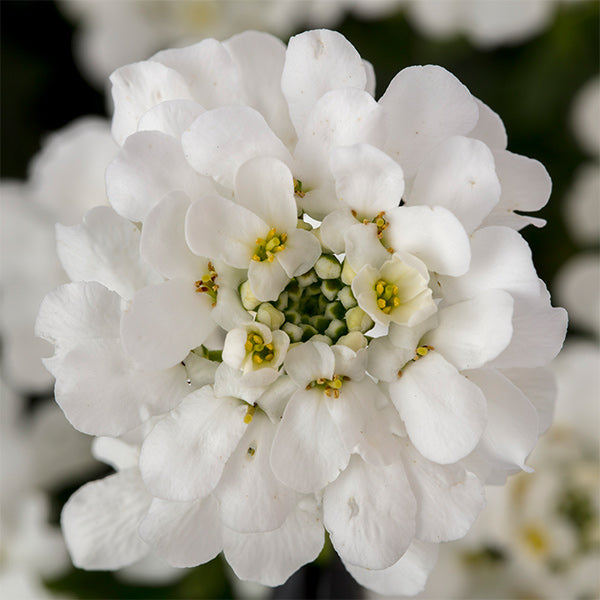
249 414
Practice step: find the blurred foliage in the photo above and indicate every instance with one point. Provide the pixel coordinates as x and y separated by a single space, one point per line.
531 86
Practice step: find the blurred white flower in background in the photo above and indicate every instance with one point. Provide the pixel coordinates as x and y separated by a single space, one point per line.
485 23
227 355
66 179
116 32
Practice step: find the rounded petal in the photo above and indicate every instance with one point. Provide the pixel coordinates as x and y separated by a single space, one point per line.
212 75
219 228
500 259
163 242
302 249
431 233
407 576
137 88
316 62
150 165
164 322
444 412
490 128
105 248
367 179
172 117
460 175
449 498
184 455
265 186
185 534
100 522
474 332
369 513
308 362
512 427
334 227
267 279
251 498
308 451
270 558
118 395
423 106
221 140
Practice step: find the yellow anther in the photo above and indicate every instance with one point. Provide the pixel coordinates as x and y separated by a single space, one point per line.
269 356
387 310
256 257
248 345
271 233
381 303
354 213
251 451
390 250
336 383
395 290
249 414
379 288
270 257
422 350
283 237
269 346
257 339
399 373
257 359
259 241
396 301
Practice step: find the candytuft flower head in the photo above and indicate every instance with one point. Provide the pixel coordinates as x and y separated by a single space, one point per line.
327 319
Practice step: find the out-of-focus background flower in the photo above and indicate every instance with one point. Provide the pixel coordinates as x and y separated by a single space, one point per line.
535 62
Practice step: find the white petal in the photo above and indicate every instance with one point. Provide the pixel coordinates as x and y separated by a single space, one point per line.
308 451
150 165
163 242
267 279
77 312
308 362
500 259
302 249
137 88
212 75
334 227
367 179
512 427
118 395
265 186
474 332
525 183
363 427
444 412
219 228
101 519
221 140
407 577
539 332
105 248
449 498
539 386
460 175
230 382
165 322
251 498
490 128
270 558
385 359
432 234
172 117
185 534
261 57
363 247
184 455
423 106
315 63
342 117
370 514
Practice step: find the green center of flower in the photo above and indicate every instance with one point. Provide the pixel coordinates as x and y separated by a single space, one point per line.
330 387
207 284
261 352
267 248
387 296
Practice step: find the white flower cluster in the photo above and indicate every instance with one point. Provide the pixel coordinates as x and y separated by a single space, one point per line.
305 310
